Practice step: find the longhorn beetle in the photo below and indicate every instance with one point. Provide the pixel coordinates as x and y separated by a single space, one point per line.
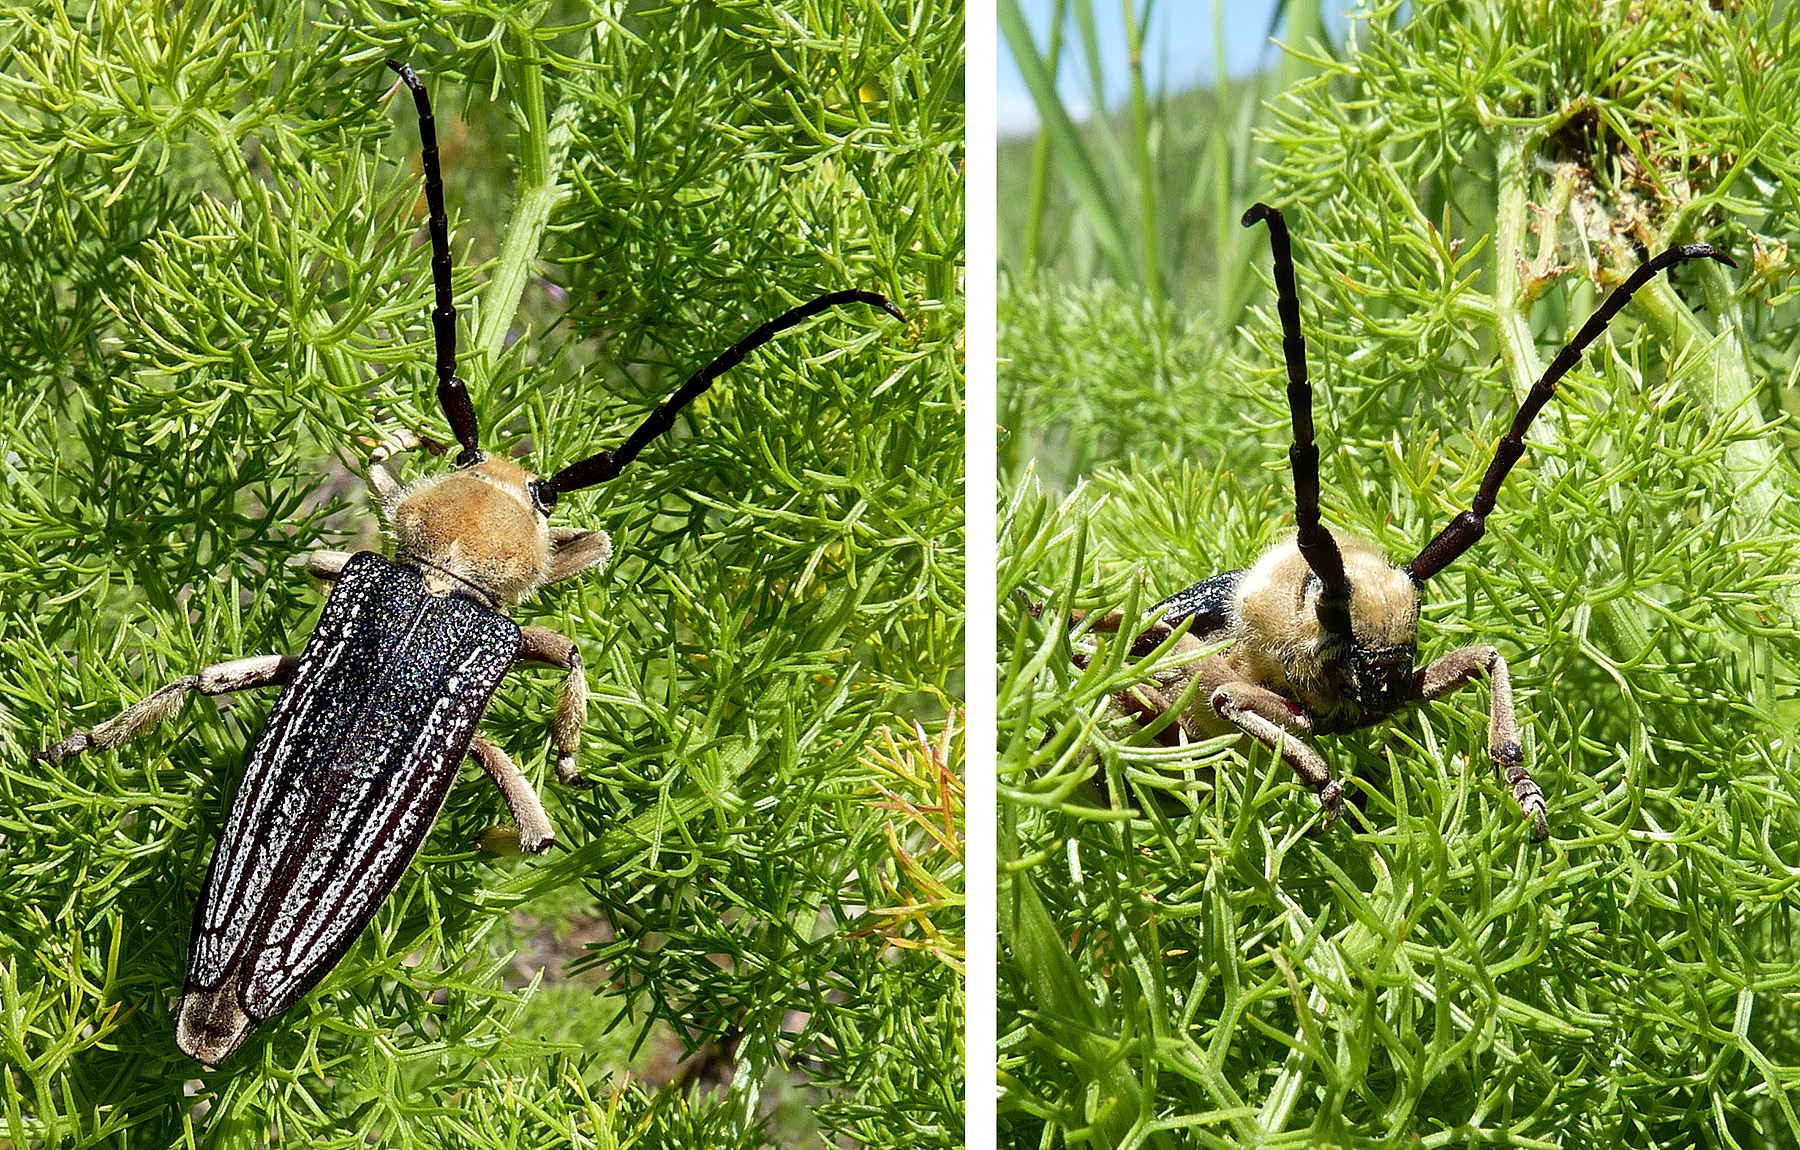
358 754
1321 634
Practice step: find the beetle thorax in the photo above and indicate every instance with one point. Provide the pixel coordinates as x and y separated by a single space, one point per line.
1280 642
475 532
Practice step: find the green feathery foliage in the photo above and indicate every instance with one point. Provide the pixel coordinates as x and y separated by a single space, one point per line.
213 302
1183 963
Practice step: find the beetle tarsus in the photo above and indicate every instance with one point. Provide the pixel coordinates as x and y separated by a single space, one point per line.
1331 804
568 773
1530 799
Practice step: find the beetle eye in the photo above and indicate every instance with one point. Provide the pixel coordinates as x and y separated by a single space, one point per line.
543 496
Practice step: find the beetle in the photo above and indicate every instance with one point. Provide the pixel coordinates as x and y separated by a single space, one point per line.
1320 634
358 753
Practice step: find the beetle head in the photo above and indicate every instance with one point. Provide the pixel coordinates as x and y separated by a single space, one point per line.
478 526
1294 638
1375 670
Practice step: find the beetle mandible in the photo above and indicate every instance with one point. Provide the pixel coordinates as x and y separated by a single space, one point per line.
358 753
1320 634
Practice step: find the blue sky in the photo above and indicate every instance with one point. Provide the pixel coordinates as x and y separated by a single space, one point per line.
1178 53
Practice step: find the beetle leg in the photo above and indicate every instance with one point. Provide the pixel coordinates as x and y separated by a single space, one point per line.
322 565
542 645
1146 704
218 679
1278 723
535 833
382 485
1109 624
385 488
576 551
1460 667
395 443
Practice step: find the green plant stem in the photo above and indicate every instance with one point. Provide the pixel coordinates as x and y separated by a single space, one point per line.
1715 372
1305 24
1096 71
1220 154
1148 216
1065 141
542 151
1511 314
1040 148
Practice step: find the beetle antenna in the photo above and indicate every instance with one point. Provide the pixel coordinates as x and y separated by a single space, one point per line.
453 394
1462 532
1317 546
605 465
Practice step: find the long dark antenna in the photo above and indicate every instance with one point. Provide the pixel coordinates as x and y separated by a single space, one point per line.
605 465
1462 532
1317 546
453 394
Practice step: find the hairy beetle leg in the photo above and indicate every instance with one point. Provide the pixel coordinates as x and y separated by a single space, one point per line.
542 645
325 566
218 679
535 833
576 552
1459 668
395 443
1147 704
1275 723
